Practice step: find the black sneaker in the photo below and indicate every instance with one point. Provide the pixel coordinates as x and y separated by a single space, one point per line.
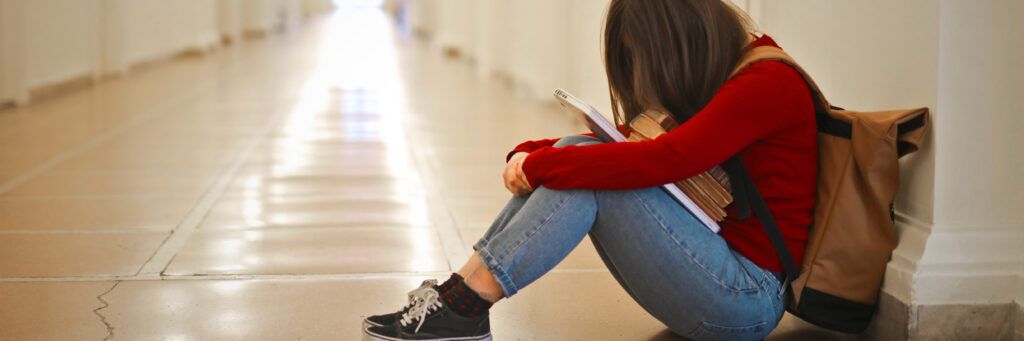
389 319
430 319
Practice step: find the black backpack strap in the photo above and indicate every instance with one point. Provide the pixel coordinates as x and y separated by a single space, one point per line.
733 168
760 209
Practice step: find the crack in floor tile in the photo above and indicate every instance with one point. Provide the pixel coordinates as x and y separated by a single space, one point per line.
110 328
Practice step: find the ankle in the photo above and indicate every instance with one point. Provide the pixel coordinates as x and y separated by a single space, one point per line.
452 281
485 291
483 283
463 301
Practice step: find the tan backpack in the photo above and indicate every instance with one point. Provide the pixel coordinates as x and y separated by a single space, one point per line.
853 235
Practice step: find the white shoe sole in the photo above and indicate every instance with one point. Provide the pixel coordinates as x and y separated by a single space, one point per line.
367 336
368 324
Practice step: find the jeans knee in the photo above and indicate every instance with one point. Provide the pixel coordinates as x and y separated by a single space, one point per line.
576 140
617 198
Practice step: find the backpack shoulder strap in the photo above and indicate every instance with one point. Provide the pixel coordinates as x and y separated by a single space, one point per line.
747 198
771 53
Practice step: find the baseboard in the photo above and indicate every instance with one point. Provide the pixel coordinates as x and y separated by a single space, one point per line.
58 88
421 33
896 320
255 33
228 39
890 321
191 52
965 322
451 52
1018 322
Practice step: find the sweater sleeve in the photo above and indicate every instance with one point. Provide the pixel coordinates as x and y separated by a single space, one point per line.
764 98
532 145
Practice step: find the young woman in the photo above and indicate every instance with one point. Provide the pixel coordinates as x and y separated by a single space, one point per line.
674 56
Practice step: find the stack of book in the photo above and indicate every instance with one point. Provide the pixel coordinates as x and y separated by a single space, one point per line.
710 190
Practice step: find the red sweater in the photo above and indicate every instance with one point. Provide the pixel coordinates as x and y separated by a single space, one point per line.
764 113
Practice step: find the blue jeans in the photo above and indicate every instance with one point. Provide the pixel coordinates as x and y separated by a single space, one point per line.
679 271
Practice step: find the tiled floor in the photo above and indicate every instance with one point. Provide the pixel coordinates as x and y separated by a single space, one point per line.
276 189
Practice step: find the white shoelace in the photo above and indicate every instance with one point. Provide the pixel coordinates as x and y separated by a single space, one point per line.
424 302
415 293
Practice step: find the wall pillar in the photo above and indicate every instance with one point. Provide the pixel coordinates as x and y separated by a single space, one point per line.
258 17
113 56
588 79
457 27
492 37
540 47
229 21
967 276
13 77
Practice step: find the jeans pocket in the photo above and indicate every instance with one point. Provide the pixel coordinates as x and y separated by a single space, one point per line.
775 289
711 331
749 275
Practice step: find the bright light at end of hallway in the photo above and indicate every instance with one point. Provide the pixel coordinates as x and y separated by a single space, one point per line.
348 4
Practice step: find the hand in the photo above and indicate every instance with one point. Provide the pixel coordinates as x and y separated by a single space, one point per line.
515 180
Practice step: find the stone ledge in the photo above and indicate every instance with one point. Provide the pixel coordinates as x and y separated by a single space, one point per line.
896 321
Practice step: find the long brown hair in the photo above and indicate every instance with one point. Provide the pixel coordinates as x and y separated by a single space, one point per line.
670 55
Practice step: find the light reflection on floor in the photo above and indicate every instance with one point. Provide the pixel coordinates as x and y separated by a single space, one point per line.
315 179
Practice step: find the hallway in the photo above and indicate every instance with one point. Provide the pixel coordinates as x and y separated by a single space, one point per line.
278 188
279 169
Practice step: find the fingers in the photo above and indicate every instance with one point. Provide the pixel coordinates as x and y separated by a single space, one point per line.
510 180
516 187
522 176
513 183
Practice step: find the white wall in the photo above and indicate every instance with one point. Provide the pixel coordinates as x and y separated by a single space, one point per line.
494 30
156 29
4 51
588 79
422 15
46 42
64 39
540 57
1019 322
259 15
229 19
61 51
457 25
263 16
314 7
978 230
529 41
12 87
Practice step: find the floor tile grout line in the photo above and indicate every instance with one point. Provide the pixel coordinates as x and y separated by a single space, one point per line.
37 197
144 229
97 140
150 114
201 277
444 223
452 241
177 240
127 230
326 195
164 254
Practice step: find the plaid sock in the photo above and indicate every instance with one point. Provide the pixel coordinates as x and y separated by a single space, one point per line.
464 301
451 282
